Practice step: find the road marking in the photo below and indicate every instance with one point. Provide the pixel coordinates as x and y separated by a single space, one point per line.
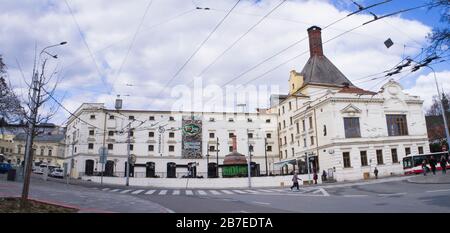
440 190
276 190
201 192
115 190
265 190
214 192
251 191
150 192
176 192
355 195
262 203
239 191
321 190
138 191
390 194
126 191
163 192
227 192
189 192
105 189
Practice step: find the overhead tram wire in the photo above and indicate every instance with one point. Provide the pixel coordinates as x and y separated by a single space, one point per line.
198 48
295 57
299 41
241 37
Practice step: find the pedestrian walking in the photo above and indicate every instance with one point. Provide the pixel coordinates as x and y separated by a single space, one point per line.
433 165
424 167
376 173
324 175
443 164
295 180
315 177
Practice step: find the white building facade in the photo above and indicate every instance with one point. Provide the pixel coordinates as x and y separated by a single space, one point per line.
157 141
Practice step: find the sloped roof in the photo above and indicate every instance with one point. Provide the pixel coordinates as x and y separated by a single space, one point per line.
41 138
320 70
356 90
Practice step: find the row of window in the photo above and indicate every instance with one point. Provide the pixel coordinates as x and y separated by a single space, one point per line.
152 118
171 147
172 134
282 107
49 152
379 157
396 125
292 140
298 124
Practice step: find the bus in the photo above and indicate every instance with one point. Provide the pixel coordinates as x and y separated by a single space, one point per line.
412 164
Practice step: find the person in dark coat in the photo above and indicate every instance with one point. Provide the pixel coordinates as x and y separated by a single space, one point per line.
424 167
315 177
324 175
433 165
376 173
443 164
295 180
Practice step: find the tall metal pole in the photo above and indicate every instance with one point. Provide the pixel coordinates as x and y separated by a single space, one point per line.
217 157
265 155
249 161
103 149
128 154
442 107
309 172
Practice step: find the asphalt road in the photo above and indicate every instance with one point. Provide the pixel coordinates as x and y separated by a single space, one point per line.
398 196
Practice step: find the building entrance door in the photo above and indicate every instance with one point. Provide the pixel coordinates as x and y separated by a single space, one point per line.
89 167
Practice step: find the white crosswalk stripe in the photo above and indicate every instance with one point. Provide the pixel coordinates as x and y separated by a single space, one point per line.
149 192
115 190
251 191
138 191
163 192
214 192
239 191
126 191
226 191
276 190
176 192
265 190
201 192
105 189
189 192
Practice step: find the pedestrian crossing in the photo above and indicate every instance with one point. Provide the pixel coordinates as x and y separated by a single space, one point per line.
211 192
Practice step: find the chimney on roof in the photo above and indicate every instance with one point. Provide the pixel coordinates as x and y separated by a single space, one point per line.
315 41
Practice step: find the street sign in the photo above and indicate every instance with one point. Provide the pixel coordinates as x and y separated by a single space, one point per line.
103 152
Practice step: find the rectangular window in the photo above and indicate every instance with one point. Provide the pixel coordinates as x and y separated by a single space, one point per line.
92 117
212 148
131 118
91 146
293 152
394 155
346 158
285 140
292 138
171 148
230 120
42 151
267 120
19 150
230 149
396 125
380 157
171 119
363 158
110 133
312 140
310 123
285 153
298 127
290 119
249 120
211 119
110 146
91 132
420 150
283 109
279 126
250 135
351 126
111 117
131 133
304 142
304 125
151 118
269 148
151 134
284 124
131 147
231 135
171 135
151 148
212 135
407 151
290 105
268 135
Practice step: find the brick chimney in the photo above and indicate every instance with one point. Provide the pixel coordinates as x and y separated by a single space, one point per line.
315 41
234 143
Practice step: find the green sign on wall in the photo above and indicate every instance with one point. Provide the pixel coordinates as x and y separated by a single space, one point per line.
233 171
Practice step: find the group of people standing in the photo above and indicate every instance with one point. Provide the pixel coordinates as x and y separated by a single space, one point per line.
432 162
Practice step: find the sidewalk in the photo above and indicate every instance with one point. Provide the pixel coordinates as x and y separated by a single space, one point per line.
439 178
86 199
359 182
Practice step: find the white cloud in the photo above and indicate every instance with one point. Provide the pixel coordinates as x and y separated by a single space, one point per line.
160 50
425 86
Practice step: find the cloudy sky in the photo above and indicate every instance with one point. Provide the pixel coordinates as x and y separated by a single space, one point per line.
135 48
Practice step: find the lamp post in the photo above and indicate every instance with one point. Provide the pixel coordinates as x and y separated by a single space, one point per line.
441 105
265 154
31 125
207 165
217 157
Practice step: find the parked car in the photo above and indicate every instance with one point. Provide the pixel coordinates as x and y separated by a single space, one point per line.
5 167
40 169
57 173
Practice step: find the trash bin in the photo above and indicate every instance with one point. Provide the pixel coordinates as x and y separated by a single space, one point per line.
11 175
366 175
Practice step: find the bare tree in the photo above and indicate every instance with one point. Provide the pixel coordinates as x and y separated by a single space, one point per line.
10 107
39 108
440 37
435 109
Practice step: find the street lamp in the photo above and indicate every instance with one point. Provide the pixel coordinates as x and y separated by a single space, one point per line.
441 105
